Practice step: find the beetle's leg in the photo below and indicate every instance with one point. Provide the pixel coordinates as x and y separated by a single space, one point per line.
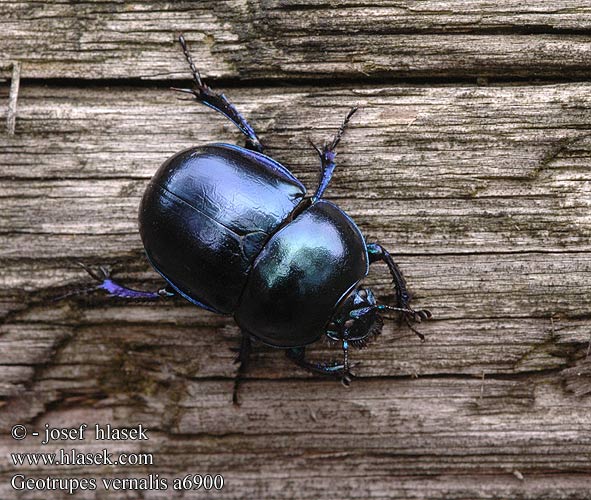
219 102
327 157
103 277
338 370
242 358
378 253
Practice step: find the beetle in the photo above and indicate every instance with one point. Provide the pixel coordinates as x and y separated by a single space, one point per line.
233 231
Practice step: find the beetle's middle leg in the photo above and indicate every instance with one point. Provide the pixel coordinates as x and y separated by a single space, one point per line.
219 102
242 359
328 156
338 370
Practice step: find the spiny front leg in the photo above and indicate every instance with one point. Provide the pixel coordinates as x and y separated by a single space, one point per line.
377 253
337 370
219 102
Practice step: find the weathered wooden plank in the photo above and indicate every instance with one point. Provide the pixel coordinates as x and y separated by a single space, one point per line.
434 435
483 193
433 170
498 220
483 233
295 39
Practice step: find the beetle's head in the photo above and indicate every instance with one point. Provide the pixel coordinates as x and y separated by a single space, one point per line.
357 319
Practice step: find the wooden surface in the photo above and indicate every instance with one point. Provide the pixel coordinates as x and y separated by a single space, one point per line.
469 159
278 39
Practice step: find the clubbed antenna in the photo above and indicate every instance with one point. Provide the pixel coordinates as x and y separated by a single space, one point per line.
408 315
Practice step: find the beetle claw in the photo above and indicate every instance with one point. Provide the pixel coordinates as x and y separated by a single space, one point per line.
185 91
106 272
90 272
414 330
318 150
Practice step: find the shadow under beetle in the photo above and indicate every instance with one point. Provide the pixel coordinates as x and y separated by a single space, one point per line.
234 232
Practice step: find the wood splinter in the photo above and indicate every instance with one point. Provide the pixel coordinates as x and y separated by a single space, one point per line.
12 97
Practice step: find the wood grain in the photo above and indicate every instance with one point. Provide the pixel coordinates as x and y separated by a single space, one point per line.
482 193
278 39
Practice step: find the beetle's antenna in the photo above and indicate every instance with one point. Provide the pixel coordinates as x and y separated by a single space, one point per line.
194 70
416 315
408 315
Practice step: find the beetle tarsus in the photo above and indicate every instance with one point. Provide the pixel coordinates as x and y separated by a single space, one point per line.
335 370
328 155
103 277
205 95
346 377
194 70
242 360
342 128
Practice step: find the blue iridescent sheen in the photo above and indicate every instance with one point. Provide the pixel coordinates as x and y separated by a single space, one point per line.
206 215
117 290
301 275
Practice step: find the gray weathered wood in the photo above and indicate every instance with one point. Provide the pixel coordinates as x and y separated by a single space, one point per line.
424 438
296 39
482 193
504 168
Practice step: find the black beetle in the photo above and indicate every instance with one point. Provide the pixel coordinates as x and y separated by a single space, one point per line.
232 231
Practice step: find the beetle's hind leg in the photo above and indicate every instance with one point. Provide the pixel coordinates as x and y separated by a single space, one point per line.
114 289
337 370
219 102
328 156
242 359
377 253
